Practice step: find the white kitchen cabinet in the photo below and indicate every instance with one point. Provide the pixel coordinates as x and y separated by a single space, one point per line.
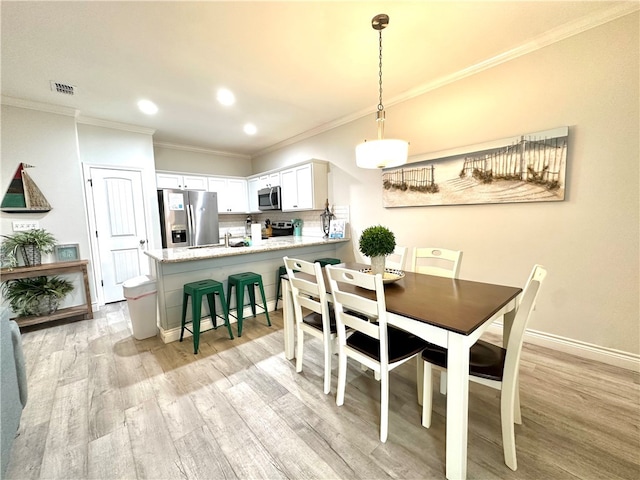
304 187
258 182
253 185
269 180
232 194
182 182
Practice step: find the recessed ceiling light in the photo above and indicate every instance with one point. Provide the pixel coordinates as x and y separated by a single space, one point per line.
148 107
250 129
226 97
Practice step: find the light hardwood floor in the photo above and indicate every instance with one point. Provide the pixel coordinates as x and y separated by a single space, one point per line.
104 405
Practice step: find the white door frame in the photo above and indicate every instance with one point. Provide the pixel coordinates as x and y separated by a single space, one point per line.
91 214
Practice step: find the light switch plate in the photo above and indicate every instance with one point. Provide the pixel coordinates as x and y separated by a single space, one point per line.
22 225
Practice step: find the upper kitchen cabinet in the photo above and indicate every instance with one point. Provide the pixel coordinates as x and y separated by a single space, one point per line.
183 182
304 187
232 194
269 180
258 182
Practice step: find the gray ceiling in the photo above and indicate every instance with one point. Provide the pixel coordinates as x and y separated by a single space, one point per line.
295 67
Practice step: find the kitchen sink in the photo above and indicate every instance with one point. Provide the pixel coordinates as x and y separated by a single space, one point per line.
211 245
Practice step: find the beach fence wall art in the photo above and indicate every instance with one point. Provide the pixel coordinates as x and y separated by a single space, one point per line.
526 168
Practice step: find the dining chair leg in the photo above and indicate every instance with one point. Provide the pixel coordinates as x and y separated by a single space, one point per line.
328 352
384 405
443 382
419 377
517 414
299 348
342 377
427 393
507 397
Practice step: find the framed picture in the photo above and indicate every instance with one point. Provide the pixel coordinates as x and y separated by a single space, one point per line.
337 229
67 253
527 168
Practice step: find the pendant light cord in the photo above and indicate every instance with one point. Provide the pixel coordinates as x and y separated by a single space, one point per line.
380 107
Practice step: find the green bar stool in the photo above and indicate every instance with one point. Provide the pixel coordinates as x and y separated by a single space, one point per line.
198 290
327 261
240 281
281 272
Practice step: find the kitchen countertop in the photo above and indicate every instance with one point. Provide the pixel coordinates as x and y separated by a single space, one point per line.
186 254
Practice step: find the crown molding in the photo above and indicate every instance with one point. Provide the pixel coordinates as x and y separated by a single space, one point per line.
98 122
548 38
42 107
189 148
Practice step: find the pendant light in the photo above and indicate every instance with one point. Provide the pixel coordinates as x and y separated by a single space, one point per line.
381 153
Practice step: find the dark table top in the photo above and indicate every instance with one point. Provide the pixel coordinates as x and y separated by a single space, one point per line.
457 305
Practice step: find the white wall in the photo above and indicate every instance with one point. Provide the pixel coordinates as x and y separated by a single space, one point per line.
110 147
201 161
589 242
47 141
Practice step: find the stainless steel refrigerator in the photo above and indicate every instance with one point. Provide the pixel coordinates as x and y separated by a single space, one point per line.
188 218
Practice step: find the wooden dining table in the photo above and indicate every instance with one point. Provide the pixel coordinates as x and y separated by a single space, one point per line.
451 313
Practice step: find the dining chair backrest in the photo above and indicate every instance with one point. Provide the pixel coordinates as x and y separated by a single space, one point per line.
525 309
351 307
396 260
307 293
308 290
436 261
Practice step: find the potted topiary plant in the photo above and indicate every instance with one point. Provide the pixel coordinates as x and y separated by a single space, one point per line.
31 244
376 243
36 295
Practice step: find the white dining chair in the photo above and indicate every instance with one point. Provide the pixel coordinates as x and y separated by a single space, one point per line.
311 294
372 343
494 366
396 260
436 261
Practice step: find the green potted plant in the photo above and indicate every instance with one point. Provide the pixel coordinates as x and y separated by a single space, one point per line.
36 295
31 244
376 243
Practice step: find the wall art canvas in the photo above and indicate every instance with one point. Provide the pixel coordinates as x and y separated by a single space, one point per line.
526 168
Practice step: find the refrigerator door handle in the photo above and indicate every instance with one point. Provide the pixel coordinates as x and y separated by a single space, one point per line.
189 211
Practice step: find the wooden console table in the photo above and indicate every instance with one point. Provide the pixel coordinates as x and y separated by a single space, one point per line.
48 269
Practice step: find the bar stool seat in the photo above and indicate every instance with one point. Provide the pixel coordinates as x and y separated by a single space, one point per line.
281 272
197 290
327 261
240 281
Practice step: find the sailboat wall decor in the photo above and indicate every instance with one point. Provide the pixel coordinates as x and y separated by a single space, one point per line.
23 195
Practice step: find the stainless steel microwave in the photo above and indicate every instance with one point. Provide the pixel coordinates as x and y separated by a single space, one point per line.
269 199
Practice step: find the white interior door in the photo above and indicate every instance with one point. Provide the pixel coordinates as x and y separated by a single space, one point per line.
120 228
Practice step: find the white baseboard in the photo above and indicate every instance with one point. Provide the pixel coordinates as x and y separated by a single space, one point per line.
173 334
610 356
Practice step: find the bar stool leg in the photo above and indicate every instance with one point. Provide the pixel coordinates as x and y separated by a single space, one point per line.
212 309
225 310
185 299
251 289
239 307
264 303
196 304
278 282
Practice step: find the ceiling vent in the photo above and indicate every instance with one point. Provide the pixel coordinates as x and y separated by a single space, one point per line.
62 88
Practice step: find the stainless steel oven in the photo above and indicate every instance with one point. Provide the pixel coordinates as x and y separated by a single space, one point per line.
269 199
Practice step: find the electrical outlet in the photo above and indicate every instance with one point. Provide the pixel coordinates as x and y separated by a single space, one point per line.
22 225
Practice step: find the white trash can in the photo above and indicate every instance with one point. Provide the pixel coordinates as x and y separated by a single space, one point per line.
142 298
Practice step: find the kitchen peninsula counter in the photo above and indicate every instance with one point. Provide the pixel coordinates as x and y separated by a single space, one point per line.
173 267
186 254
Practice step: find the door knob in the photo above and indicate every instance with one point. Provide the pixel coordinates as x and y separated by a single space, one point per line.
142 242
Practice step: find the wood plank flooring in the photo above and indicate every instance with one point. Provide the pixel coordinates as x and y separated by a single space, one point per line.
104 405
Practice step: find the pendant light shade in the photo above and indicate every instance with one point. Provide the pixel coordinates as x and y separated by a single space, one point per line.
381 153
